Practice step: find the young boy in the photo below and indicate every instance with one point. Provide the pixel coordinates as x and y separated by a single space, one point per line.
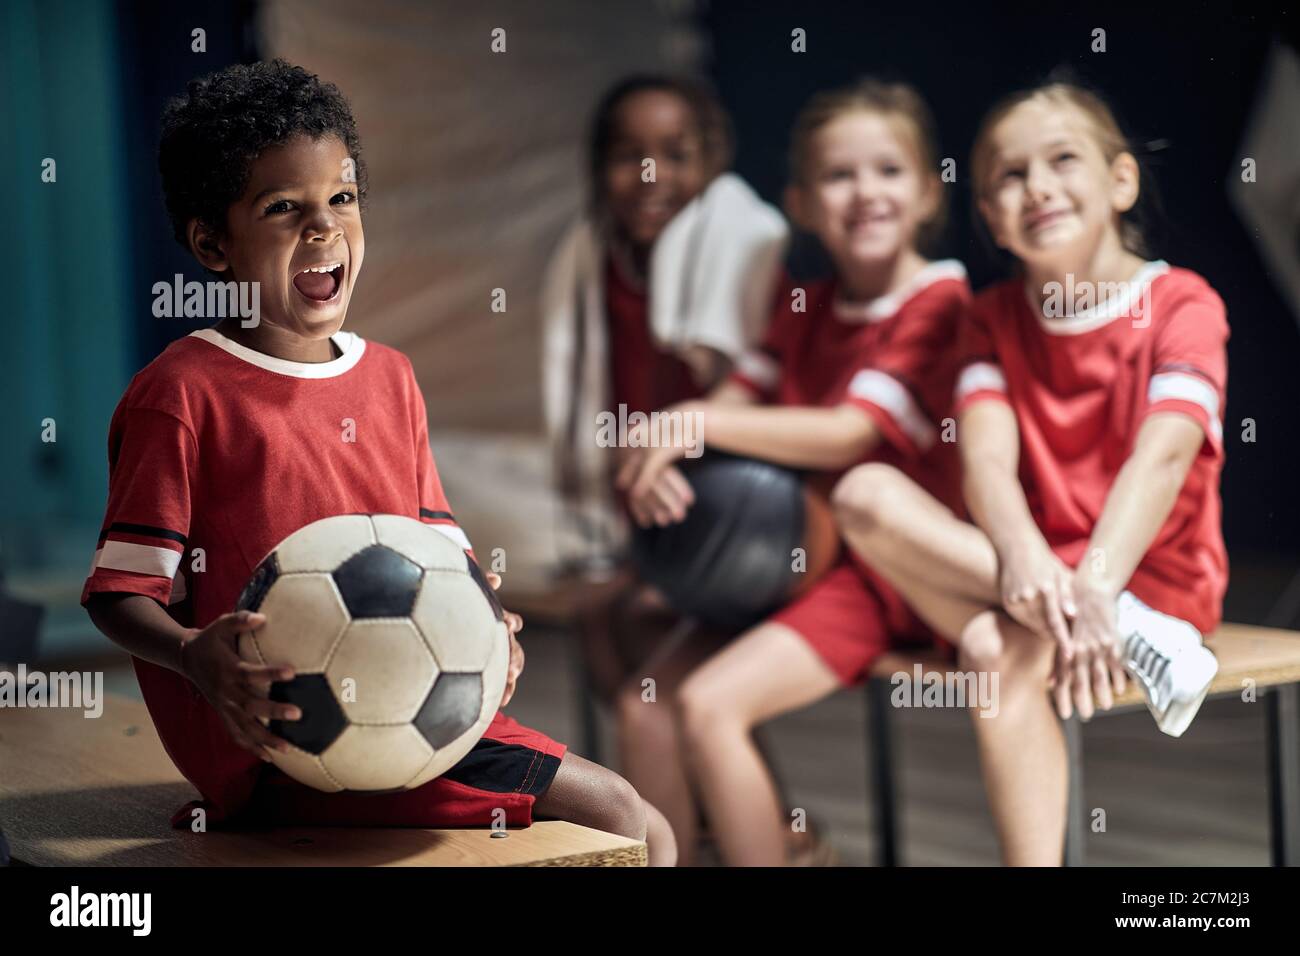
231 440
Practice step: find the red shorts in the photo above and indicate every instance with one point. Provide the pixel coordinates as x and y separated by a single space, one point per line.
507 770
851 616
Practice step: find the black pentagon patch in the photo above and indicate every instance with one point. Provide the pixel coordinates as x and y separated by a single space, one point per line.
481 580
378 582
254 593
322 718
451 708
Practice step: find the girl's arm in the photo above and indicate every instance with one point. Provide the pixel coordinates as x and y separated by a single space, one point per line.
823 439
1035 584
1140 500
1136 507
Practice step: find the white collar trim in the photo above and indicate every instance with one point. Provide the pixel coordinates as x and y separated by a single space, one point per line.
350 345
1102 313
887 306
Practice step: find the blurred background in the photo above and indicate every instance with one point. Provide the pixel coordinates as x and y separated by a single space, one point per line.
476 167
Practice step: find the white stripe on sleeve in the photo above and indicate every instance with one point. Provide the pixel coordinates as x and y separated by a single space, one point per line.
980 377
760 368
454 533
140 558
888 393
1187 388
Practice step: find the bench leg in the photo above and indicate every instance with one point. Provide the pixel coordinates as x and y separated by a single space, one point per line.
1284 773
1076 822
880 734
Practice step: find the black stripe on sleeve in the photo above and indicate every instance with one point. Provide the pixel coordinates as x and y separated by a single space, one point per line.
437 515
1185 369
127 528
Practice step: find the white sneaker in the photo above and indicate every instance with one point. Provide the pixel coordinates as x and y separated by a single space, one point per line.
1167 658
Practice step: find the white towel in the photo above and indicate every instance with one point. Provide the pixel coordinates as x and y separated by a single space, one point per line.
713 272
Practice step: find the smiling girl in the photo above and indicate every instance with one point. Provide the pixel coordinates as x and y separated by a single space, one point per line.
854 368
1091 444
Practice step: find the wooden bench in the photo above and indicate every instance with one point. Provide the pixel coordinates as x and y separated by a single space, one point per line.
1268 656
98 792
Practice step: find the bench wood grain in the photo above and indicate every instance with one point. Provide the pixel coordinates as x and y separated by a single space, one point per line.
99 791
1268 656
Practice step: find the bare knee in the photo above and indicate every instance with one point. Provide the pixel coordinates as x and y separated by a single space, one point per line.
992 643
593 796
702 712
865 499
617 807
640 712
981 647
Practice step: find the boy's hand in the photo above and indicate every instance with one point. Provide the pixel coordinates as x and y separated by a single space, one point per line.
234 687
514 624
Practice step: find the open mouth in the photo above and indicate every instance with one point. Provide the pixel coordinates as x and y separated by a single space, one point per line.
320 283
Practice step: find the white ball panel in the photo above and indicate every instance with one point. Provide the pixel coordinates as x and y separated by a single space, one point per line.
377 758
393 670
305 768
324 545
494 677
248 650
456 620
305 618
422 543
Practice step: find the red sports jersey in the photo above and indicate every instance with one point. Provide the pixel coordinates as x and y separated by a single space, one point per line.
1082 386
893 357
217 447
643 376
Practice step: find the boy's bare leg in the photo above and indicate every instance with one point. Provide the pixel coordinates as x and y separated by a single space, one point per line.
947 571
592 796
768 671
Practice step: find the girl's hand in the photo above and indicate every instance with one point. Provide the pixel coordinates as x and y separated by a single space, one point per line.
514 624
1037 590
236 688
1096 669
666 502
640 475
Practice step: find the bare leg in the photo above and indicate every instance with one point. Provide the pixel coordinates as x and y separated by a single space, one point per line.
1022 749
649 749
768 671
908 535
946 569
592 796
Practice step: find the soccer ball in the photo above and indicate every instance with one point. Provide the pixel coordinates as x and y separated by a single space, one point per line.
398 645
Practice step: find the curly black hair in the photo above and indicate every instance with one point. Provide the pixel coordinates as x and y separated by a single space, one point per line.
212 134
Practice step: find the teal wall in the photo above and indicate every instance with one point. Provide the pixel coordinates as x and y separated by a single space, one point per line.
66 254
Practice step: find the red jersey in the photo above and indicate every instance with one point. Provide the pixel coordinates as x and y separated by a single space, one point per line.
217 447
644 377
1081 388
893 357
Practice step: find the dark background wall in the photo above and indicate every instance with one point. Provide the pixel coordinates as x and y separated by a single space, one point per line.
1188 77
